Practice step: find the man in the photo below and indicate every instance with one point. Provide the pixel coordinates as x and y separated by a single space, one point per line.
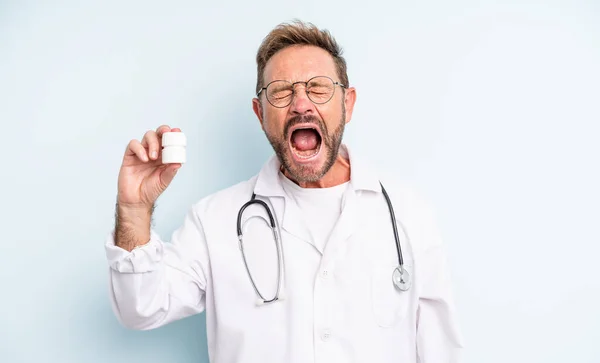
336 296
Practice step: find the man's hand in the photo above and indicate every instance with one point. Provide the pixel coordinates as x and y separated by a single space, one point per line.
142 179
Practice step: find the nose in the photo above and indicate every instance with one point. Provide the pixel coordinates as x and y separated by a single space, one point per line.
301 104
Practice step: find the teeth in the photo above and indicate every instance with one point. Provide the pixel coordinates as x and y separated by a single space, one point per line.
317 150
307 156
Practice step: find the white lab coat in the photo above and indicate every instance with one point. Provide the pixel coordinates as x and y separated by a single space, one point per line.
340 304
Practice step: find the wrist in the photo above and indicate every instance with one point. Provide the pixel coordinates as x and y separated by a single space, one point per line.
132 225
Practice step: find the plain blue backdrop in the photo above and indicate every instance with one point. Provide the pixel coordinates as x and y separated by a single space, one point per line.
491 107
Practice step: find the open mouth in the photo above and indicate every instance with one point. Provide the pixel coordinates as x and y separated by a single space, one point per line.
305 141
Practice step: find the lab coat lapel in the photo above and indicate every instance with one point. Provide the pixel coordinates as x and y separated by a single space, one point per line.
289 217
346 224
294 224
362 179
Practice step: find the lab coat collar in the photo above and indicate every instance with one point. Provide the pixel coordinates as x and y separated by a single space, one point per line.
362 177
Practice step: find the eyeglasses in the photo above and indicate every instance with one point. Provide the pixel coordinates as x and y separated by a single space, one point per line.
319 90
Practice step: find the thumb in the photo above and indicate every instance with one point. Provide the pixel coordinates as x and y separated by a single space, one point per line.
167 175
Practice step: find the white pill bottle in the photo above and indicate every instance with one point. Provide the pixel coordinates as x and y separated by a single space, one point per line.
173 147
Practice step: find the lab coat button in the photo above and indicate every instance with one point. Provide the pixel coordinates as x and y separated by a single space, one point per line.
326 335
325 274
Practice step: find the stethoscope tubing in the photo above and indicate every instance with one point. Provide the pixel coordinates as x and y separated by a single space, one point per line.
278 246
394 226
398 275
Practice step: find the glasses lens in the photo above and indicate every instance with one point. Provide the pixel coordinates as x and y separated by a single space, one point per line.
279 93
320 89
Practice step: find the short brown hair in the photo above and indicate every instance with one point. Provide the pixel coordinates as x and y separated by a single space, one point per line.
298 33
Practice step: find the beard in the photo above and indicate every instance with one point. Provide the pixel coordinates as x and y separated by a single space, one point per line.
330 145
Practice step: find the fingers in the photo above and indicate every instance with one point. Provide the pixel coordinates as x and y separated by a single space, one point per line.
151 141
165 128
136 148
162 129
149 147
167 175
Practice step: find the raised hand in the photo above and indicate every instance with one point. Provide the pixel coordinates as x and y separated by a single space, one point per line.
142 179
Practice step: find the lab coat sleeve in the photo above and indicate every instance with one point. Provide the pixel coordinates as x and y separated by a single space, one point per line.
159 282
439 339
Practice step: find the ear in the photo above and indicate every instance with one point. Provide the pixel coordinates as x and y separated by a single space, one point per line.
349 100
257 107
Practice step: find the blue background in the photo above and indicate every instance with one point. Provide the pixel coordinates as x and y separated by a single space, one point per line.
490 106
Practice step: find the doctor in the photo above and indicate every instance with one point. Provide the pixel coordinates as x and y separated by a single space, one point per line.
334 280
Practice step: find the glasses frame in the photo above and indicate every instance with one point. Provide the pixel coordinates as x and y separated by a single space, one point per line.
335 83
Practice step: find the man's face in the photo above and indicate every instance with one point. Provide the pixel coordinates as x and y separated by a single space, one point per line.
305 136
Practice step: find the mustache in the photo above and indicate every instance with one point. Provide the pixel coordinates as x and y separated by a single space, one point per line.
304 119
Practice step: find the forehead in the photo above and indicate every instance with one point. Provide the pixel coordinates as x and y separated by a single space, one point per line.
299 63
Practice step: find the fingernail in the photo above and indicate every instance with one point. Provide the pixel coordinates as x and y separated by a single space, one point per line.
154 155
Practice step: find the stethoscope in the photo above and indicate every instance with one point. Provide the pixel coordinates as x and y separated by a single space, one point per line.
400 276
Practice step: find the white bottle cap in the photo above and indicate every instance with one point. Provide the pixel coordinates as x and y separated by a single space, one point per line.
174 139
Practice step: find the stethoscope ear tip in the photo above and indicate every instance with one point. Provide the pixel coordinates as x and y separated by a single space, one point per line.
260 302
281 296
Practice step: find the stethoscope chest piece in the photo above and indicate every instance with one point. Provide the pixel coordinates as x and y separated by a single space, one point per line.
401 278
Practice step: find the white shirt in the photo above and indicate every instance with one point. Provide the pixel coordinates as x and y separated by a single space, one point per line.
320 208
339 306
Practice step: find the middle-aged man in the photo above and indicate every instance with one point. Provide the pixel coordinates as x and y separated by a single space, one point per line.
328 283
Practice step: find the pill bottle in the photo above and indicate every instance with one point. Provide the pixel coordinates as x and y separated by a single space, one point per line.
173 147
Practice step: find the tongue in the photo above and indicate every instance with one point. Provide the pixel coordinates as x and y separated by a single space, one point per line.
305 139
